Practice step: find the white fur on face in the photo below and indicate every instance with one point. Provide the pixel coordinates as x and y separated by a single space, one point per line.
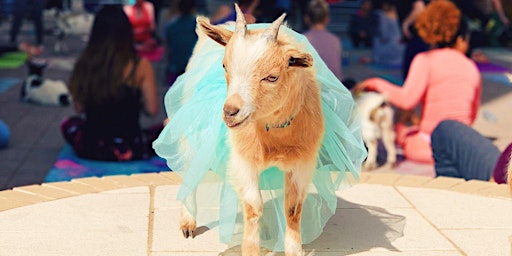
241 69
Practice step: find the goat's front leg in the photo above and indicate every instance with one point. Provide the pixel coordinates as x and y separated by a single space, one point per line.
246 178
188 216
297 181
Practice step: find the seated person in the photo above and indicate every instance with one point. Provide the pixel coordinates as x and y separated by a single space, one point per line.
180 39
362 25
326 43
111 86
388 48
443 80
142 18
226 13
461 152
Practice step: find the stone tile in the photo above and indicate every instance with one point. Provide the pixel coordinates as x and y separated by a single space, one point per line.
153 179
97 183
482 241
363 195
450 210
412 181
7 204
472 186
167 236
175 178
184 253
75 188
364 229
443 182
45 191
125 181
498 191
92 224
16 195
383 178
165 197
134 190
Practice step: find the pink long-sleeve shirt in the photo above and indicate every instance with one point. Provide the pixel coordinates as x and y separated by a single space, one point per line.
445 81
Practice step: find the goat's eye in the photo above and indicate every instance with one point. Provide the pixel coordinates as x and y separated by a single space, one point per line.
224 66
271 78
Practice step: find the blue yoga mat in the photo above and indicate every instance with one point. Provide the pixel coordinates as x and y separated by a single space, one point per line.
504 78
69 166
7 82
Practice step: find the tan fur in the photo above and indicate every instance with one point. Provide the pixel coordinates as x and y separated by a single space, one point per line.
255 147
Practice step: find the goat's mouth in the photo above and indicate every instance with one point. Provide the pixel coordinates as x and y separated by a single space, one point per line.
233 122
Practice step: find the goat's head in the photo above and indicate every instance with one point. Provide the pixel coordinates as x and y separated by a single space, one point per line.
260 70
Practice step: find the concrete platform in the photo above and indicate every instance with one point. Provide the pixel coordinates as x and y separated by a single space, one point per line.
382 214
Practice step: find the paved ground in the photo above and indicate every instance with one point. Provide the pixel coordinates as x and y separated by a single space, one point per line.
383 214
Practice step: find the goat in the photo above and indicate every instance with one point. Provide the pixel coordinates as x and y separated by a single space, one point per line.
376 123
274 115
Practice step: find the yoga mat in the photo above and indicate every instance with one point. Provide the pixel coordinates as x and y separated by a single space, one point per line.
12 59
69 166
492 68
395 79
504 78
7 82
378 66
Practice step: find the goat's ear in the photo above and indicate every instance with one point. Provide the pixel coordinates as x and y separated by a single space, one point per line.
218 34
300 60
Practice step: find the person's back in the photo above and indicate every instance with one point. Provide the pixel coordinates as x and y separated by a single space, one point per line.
180 39
454 87
325 43
443 80
111 86
387 47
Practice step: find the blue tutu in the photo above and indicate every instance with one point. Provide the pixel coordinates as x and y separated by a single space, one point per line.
194 143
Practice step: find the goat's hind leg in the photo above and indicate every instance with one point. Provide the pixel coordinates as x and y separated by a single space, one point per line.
297 181
188 223
388 137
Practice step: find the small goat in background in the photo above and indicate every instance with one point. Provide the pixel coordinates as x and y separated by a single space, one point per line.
274 115
376 123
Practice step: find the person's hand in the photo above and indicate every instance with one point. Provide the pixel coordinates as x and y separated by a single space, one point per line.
366 85
405 31
505 20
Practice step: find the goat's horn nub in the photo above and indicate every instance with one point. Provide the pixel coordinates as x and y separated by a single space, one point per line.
271 32
241 24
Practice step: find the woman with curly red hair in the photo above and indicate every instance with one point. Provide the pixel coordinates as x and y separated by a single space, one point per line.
442 80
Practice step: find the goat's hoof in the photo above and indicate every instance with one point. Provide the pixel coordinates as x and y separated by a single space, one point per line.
189 229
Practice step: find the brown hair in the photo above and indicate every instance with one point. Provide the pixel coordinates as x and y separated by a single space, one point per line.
100 70
439 23
317 11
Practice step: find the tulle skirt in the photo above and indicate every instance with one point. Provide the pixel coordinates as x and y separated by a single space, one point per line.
195 147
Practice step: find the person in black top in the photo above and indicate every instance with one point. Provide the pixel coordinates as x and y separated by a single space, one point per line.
111 86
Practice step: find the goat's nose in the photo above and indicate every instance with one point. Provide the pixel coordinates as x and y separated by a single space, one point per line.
230 110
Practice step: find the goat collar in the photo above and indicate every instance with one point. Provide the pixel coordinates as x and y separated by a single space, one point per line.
282 125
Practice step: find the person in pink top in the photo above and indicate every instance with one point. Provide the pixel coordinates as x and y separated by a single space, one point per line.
442 80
